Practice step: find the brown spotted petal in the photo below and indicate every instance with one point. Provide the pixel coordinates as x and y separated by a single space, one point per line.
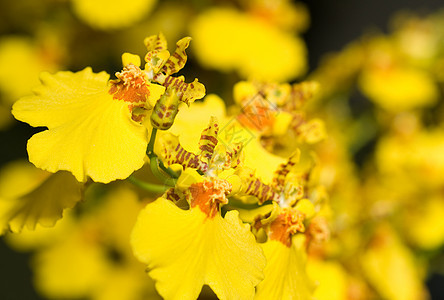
234 155
171 152
179 58
255 187
208 140
157 54
155 42
188 92
155 60
165 110
282 171
172 195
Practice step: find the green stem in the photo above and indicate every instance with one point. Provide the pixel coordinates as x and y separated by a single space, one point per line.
168 170
155 163
150 148
151 187
239 204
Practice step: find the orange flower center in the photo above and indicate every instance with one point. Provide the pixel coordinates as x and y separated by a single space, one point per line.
130 86
208 195
258 114
287 223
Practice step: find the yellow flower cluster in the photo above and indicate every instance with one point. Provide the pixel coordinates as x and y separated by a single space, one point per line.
220 222
388 208
141 186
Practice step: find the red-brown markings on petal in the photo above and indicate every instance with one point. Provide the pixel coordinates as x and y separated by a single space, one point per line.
208 195
187 92
259 189
283 169
172 195
208 140
130 86
287 223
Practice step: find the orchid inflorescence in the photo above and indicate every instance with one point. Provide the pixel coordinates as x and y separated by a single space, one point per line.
230 215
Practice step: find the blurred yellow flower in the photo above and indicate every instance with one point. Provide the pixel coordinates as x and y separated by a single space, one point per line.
330 278
399 88
70 269
286 14
41 237
29 196
418 38
276 110
112 14
426 223
392 83
21 61
226 39
391 267
91 256
417 156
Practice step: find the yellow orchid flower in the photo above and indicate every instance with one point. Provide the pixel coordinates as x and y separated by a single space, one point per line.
287 243
283 228
273 109
95 125
285 274
185 249
208 241
87 126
